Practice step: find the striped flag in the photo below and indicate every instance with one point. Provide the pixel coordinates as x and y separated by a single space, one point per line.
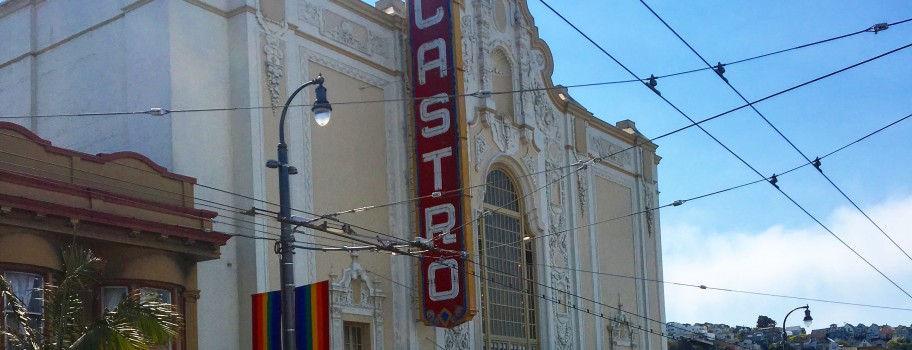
267 317
312 316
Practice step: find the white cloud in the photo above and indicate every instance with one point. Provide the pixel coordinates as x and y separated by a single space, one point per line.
794 261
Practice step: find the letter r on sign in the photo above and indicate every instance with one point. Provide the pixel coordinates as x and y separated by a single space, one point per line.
444 226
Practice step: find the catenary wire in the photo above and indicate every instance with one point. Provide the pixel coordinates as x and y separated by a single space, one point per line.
225 109
800 207
28 175
159 193
705 287
779 132
693 124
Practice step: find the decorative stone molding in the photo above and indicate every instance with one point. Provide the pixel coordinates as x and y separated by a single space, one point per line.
619 331
613 175
544 112
504 132
342 298
311 14
469 45
457 338
351 71
344 31
274 48
530 161
481 146
612 152
649 198
582 187
484 10
557 242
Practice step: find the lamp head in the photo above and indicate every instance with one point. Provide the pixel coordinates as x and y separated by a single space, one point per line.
321 108
807 317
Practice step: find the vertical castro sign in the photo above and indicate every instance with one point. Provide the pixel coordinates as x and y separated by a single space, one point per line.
447 289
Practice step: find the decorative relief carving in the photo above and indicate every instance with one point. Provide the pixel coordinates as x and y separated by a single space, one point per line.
564 332
649 197
379 45
582 183
481 146
457 338
274 49
369 303
560 278
613 153
544 112
310 13
468 45
274 68
504 132
619 331
345 31
485 16
530 160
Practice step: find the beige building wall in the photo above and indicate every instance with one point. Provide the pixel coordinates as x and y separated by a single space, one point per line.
227 53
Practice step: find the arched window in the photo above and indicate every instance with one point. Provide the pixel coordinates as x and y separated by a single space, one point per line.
508 303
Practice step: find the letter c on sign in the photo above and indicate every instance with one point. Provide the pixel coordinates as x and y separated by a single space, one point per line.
450 266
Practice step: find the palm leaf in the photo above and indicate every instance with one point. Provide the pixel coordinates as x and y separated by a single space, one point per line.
134 323
107 333
64 306
157 321
26 337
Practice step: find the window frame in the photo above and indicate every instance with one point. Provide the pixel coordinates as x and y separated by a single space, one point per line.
177 299
365 334
527 274
46 274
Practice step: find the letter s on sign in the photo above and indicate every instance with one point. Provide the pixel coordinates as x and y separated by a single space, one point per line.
450 266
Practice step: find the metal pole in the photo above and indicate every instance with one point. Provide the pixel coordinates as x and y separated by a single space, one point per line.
285 247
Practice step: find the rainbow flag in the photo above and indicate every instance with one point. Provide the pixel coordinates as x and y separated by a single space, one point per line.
312 316
267 319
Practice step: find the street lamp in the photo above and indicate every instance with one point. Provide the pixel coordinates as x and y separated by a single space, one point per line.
322 111
807 323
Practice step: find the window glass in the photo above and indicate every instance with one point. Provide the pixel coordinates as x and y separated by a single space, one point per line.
508 275
27 287
356 335
162 295
111 296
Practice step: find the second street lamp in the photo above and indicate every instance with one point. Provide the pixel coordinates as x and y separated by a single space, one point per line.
322 111
807 323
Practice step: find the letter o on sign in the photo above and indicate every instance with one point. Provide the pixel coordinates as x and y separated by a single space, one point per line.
447 267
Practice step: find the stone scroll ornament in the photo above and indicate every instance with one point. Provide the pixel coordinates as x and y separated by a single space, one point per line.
447 297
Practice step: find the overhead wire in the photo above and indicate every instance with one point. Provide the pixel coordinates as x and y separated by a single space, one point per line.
779 132
228 109
705 287
730 151
206 203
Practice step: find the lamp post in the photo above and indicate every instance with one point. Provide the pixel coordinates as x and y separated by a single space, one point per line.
807 323
322 110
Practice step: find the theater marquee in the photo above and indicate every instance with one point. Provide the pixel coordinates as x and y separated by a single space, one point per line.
447 287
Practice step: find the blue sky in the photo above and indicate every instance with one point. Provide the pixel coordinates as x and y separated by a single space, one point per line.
753 239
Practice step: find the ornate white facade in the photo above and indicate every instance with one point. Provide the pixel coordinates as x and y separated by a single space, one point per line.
578 177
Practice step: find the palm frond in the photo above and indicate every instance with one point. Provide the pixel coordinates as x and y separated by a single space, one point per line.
107 333
157 321
64 306
26 336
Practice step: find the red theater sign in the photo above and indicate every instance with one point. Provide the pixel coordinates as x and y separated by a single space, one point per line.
448 295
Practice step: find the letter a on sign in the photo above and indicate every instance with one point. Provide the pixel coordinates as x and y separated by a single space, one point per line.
440 164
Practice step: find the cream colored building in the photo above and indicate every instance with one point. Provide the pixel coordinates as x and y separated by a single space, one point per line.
67 57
